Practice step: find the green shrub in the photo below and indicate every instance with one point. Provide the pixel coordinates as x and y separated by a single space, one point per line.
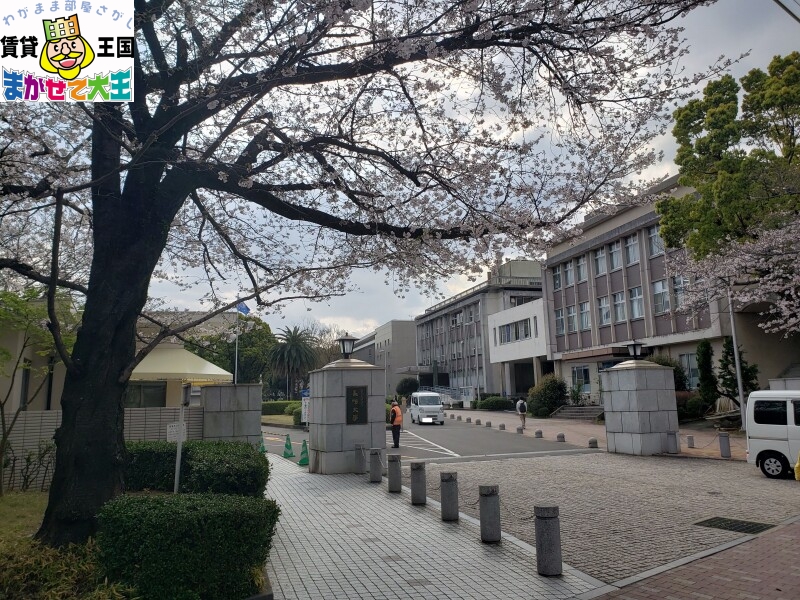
187 546
206 466
547 395
678 372
291 407
542 412
151 465
388 411
276 407
407 386
297 414
496 403
30 570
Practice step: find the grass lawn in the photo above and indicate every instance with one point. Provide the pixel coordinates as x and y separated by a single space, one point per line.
21 513
287 420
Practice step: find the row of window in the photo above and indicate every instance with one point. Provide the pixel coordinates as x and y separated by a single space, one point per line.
607 258
661 305
518 330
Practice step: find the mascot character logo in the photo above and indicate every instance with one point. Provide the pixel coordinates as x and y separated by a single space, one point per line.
65 52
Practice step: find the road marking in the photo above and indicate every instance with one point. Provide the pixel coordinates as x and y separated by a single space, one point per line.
436 449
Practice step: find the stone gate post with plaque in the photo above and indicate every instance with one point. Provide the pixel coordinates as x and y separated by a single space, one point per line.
347 407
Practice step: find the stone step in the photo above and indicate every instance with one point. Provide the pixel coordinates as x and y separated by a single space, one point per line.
587 413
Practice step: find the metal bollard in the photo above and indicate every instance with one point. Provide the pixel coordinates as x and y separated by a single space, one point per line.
375 467
418 483
477 421
520 429
469 419
361 460
537 433
690 441
395 479
502 427
548 541
560 437
490 513
672 442
724 445
488 423
592 442
449 495
458 418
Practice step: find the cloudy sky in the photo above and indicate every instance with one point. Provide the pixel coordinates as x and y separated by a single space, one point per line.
729 27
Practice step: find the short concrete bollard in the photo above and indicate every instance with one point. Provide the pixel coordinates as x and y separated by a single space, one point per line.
418 483
672 442
361 460
449 494
469 419
458 418
375 467
724 445
520 429
488 423
452 416
592 442
395 477
477 421
560 437
502 427
490 513
548 540
690 441
537 433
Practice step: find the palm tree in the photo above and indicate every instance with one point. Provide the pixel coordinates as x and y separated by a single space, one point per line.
293 356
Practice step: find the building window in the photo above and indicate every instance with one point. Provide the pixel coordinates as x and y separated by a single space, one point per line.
770 412
637 302
580 379
689 364
679 284
559 321
584 315
557 277
513 332
569 278
619 306
654 242
494 330
600 261
572 324
146 395
535 327
603 312
660 297
632 249
519 300
580 268
614 255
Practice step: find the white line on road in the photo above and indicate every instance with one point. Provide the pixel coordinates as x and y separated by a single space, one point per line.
442 449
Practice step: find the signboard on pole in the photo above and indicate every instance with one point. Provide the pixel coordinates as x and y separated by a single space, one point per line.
305 407
173 430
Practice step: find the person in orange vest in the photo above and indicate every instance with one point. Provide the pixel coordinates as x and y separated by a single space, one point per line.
396 419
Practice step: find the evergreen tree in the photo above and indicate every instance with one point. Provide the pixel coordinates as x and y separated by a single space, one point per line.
705 368
727 373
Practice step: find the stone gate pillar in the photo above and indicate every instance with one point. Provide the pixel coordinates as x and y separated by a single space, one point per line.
640 408
347 407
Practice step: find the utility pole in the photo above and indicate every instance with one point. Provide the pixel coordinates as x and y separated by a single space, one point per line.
736 361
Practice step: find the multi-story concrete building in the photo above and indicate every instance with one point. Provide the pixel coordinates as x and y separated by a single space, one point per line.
609 286
519 344
390 346
452 336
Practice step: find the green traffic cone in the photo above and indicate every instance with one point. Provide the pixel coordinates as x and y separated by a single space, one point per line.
303 455
263 448
287 449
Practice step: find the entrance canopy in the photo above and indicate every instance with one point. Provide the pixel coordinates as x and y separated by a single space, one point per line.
171 363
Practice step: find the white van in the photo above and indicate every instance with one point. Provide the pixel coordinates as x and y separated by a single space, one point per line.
427 407
773 431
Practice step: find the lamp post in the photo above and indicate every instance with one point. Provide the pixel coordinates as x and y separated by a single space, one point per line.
346 343
635 349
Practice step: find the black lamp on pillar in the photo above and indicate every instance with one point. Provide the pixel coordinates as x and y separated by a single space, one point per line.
346 343
635 349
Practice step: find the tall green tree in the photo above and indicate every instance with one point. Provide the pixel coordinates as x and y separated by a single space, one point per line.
745 166
293 356
707 387
728 385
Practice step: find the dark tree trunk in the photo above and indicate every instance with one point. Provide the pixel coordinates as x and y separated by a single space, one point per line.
130 230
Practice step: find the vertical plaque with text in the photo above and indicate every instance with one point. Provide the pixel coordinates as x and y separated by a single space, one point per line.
356 404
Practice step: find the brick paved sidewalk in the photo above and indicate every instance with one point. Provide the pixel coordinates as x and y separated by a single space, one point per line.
765 568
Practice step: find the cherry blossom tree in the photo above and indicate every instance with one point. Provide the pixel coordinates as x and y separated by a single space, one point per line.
273 147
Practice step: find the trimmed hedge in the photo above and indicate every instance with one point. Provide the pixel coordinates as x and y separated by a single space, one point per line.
187 546
297 413
206 466
291 407
496 403
276 407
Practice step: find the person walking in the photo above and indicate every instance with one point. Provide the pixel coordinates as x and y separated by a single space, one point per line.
522 411
396 419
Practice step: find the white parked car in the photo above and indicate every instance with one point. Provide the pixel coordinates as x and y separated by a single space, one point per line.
426 407
773 431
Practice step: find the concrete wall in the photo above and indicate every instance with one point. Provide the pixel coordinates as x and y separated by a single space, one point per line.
232 413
